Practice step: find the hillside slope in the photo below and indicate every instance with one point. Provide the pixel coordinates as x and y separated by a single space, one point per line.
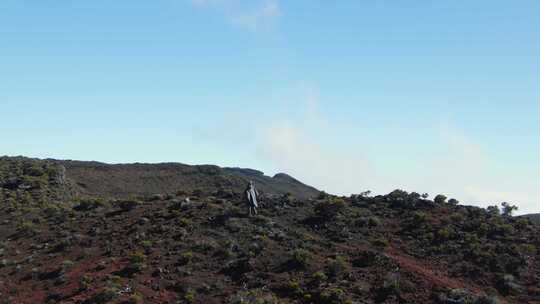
535 218
93 178
396 248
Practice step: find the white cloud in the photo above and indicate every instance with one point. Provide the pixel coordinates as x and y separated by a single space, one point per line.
253 15
309 148
301 148
294 134
466 170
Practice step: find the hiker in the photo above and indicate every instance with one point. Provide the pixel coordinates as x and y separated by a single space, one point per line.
251 195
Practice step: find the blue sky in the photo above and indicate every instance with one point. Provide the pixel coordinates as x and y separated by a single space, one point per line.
431 96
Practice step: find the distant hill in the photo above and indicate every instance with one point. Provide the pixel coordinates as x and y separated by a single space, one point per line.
93 178
89 178
534 217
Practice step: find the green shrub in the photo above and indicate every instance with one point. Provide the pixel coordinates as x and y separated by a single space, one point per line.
444 234
85 282
493 210
453 202
419 218
398 195
186 258
522 223
256 296
190 296
294 288
67 265
136 298
440 199
336 266
26 227
333 296
455 296
147 244
105 296
482 229
205 246
330 208
184 222
113 281
128 205
322 195
301 258
527 249
34 170
319 277
374 221
503 229
380 242
137 257
89 204
457 217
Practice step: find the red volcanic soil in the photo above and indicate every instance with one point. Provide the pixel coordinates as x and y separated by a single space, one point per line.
397 248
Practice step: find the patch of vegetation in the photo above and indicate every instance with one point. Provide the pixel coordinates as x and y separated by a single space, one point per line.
440 199
336 266
190 296
319 277
85 282
136 298
128 205
330 208
380 242
89 204
105 296
256 296
301 258
186 258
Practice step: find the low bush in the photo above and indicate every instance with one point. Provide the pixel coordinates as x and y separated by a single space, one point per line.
294 288
380 242
333 296
136 298
85 282
190 296
330 208
319 277
440 199
128 205
137 257
453 202
186 258
301 258
336 266
105 296
26 227
419 218
89 204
